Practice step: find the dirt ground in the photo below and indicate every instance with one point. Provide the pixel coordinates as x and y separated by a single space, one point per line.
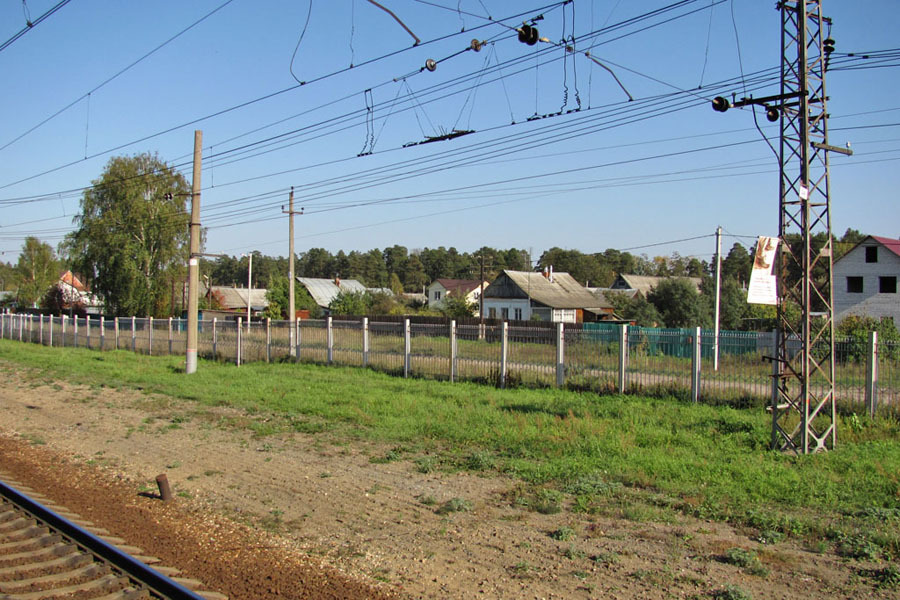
307 516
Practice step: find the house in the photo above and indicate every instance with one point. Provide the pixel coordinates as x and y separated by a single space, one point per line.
470 289
234 300
865 280
74 294
323 291
548 296
643 284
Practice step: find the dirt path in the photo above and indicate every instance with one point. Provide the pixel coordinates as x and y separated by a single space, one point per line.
274 511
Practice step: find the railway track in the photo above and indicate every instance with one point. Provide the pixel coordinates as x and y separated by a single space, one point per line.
48 553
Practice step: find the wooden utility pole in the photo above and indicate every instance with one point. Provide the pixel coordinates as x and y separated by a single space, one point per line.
190 365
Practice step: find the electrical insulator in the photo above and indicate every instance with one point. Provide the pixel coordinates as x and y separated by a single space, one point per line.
528 35
431 64
828 45
720 104
772 114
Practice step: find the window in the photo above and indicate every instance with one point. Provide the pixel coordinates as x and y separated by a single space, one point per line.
518 314
854 285
437 295
871 254
492 312
887 285
504 312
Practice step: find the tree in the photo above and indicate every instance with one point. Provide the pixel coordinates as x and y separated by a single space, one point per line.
278 295
736 265
678 303
456 307
37 270
351 303
131 234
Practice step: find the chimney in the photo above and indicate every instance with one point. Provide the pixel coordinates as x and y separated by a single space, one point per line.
546 273
337 280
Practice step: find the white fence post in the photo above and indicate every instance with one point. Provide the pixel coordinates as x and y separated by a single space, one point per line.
365 342
87 329
215 342
237 353
329 340
150 336
63 344
41 329
623 357
560 355
504 351
695 366
872 373
268 339
133 334
453 350
170 335
102 333
297 338
407 348
51 330
74 331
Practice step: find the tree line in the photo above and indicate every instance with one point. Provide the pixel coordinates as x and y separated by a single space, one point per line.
130 247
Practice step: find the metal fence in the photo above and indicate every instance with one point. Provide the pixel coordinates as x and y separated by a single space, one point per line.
596 357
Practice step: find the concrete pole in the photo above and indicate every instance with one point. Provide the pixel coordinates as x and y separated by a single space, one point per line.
190 365
249 288
718 296
292 311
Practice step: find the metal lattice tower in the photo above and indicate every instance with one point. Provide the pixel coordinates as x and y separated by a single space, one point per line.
803 411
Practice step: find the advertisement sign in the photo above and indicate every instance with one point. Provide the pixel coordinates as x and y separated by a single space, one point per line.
763 281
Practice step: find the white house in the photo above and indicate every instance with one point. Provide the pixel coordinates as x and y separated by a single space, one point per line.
441 288
556 297
865 280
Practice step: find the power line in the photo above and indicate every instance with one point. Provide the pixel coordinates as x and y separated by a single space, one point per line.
29 25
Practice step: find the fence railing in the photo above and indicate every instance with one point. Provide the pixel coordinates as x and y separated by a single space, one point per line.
596 357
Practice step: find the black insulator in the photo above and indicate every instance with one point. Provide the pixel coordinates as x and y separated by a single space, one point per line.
772 114
524 33
430 64
720 104
533 36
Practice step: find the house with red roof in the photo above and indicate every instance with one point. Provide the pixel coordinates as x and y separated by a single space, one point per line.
865 280
470 289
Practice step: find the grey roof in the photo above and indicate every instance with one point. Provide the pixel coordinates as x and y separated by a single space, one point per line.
644 283
236 298
562 292
323 291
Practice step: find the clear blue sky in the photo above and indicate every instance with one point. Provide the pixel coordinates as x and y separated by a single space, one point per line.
616 174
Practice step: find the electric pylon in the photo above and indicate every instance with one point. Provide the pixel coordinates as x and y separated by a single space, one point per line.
803 405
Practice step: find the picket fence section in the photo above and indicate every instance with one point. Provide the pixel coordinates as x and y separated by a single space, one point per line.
597 357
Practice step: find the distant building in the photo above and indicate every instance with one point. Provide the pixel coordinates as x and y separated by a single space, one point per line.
643 284
324 291
548 296
865 280
232 299
470 289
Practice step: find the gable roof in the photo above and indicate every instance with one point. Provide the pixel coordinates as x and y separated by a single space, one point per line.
644 283
459 287
236 298
890 244
323 291
72 280
562 292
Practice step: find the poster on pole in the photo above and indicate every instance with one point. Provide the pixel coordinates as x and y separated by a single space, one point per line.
763 281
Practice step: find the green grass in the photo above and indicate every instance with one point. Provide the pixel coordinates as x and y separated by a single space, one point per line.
573 448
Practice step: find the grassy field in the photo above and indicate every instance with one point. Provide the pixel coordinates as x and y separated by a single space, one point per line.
641 458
